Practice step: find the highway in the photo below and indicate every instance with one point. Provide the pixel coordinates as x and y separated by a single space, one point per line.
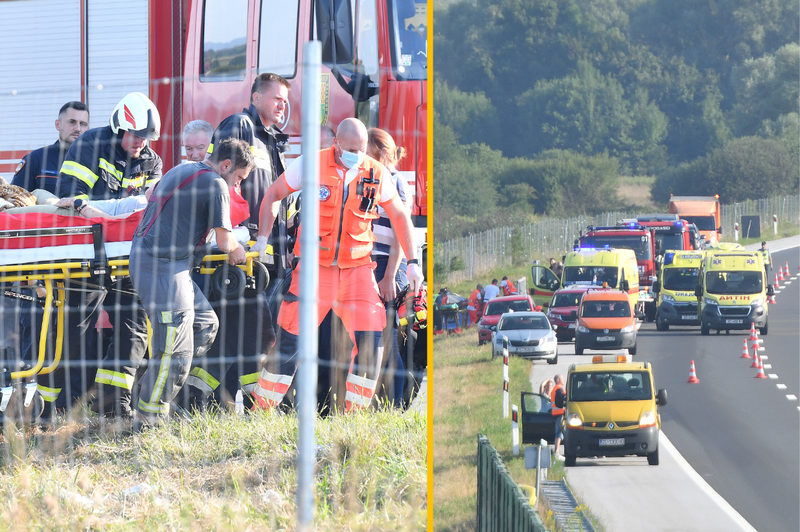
731 458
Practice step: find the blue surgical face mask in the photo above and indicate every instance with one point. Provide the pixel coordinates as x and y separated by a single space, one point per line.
352 159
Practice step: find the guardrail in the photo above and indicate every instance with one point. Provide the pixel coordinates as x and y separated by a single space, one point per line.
470 256
501 504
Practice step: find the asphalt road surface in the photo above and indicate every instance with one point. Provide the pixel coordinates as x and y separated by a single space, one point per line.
731 458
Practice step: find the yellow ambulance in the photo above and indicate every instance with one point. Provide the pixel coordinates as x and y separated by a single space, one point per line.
676 303
614 268
732 291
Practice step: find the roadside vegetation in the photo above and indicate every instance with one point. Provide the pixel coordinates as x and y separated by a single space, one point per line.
215 471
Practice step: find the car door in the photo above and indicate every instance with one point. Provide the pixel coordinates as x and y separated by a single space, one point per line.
536 420
544 284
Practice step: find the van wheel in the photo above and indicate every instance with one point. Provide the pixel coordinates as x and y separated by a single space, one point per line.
553 360
632 350
661 325
764 330
704 328
652 458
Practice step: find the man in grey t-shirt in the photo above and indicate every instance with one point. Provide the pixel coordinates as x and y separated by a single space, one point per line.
185 206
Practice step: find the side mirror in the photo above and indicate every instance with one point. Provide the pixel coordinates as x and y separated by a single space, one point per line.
661 397
560 401
625 285
770 290
698 291
656 287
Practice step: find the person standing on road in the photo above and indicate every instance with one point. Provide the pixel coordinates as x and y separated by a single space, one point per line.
475 304
354 185
767 258
556 396
189 202
491 291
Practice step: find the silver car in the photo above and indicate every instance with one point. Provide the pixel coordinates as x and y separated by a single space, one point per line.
529 334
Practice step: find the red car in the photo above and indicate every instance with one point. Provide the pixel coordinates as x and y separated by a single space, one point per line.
564 302
496 308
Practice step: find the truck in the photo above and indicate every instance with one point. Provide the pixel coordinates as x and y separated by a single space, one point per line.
703 211
197 59
669 231
635 236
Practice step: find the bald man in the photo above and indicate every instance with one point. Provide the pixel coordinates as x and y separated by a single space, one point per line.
351 187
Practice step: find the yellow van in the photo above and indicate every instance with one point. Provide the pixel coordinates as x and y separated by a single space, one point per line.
732 291
611 409
616 267
676 303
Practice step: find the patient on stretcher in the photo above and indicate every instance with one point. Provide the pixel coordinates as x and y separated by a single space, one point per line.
50 204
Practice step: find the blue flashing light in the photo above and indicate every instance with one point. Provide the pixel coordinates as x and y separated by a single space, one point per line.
632 224
668 258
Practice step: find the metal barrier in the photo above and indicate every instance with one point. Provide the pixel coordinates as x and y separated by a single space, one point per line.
501 504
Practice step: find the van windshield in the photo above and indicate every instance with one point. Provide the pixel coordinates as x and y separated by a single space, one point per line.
590 275
610 386
734 283
680 278
605 309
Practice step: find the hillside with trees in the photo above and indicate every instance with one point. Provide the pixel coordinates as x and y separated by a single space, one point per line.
544 107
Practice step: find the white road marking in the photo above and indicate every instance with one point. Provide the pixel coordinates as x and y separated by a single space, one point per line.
787 282
764 357
773 375
767 366
702 484
791 397
776 292
781 386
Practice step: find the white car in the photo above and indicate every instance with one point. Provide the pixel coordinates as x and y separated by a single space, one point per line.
529 334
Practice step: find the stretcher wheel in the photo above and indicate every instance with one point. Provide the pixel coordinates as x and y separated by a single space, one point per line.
261 276
228 282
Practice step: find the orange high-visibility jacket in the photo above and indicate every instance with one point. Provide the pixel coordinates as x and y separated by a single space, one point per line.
509 288
556 411
473 298
345 229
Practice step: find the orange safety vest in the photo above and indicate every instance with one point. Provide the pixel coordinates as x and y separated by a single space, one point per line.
556 411
473 298
345 227
509 288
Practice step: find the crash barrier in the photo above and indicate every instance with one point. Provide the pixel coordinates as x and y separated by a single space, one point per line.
501 504
475 254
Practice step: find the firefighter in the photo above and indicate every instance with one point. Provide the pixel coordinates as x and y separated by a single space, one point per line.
256 125
190 201
39 170
353 184
114 162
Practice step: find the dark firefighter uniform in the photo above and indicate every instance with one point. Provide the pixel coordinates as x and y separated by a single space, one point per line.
97 167
215 376
39 169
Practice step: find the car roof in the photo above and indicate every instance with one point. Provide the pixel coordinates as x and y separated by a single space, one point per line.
508 298
609 366
605 294
574 289
526 314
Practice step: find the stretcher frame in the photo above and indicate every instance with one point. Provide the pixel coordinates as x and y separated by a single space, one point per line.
99 268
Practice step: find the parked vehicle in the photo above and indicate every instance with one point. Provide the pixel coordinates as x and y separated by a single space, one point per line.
495 308
703 211
562 309
676 303
529 335
605 321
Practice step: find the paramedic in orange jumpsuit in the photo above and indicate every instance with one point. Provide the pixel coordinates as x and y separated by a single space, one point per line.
351 187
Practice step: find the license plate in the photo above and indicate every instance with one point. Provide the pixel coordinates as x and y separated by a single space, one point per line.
688 317
611 442
571 326
733 321
605 338
526 349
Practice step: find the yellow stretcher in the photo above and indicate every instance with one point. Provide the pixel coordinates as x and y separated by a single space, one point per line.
229 282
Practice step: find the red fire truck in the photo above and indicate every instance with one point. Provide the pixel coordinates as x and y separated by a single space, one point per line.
196 59
640 240
670 232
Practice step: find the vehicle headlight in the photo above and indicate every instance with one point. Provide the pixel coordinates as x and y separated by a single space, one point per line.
757 303
493 328
550 338
574 421
629 328
667 298
583 329
648 419
710 301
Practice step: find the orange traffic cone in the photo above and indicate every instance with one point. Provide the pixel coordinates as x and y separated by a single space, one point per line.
786 269
756 344
693 375
771 300
779 275
760 374
753 335
756 358
745 353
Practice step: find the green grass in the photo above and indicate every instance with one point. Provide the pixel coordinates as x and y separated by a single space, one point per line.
216 472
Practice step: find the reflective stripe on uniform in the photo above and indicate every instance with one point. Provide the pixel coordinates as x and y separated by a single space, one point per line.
79 172
202 380
136 182
114 378
153 408
48 394
110 168
248 382
271 388
150 182
359 391
166 359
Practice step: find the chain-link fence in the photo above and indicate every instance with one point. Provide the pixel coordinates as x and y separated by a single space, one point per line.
466 257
